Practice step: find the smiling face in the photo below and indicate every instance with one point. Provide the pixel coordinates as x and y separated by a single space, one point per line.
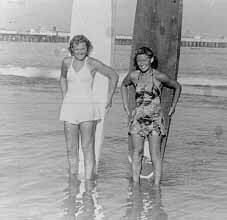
80 50
143 62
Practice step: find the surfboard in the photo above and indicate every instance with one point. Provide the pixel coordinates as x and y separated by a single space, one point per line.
95 20
157 25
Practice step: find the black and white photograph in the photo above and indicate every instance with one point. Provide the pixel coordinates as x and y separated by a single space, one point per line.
113 109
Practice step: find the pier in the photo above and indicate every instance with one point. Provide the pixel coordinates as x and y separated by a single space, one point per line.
185 42
33 37
119 40
213 43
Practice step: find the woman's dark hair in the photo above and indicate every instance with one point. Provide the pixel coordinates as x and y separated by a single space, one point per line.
147 51
80 39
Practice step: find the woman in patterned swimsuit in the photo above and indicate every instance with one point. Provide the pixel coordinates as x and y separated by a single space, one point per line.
146 120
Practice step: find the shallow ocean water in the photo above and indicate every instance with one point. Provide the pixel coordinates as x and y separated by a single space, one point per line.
34 177
35 184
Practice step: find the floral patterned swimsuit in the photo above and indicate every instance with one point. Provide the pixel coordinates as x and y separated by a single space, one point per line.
147 117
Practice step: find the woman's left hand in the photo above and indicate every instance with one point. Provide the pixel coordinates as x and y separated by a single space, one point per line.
171 111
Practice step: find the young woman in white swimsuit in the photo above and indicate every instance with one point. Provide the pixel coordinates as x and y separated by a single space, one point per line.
79 111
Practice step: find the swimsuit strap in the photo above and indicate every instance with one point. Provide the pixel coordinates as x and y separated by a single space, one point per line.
152 75
153 81
72 62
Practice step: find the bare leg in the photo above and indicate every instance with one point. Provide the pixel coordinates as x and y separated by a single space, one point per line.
72 146
87 130
130 155
137 153
154 145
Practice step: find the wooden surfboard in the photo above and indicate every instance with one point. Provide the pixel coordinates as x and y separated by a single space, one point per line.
95 19
158 26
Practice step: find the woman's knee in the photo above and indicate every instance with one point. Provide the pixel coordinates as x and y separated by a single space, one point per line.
87 130
88 140
67 129
71 132
137 152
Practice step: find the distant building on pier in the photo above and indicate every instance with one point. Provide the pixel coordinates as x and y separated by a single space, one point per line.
34 35
7 31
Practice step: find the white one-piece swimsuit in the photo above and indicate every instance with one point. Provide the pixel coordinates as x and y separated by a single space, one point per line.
79 104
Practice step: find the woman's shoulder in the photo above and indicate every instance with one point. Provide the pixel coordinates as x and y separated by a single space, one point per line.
67 60
92 62
134 74
156 73
97 65
131 77
159 75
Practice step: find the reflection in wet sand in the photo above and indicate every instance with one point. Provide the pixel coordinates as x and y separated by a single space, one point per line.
81 202
144 203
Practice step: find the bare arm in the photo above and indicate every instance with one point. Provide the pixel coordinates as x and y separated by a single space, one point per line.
124 92
172 84
107 71
63 78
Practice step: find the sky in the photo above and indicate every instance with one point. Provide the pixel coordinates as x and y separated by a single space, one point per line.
200 17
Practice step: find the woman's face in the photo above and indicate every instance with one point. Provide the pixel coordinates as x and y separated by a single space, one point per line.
143 62
80 51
